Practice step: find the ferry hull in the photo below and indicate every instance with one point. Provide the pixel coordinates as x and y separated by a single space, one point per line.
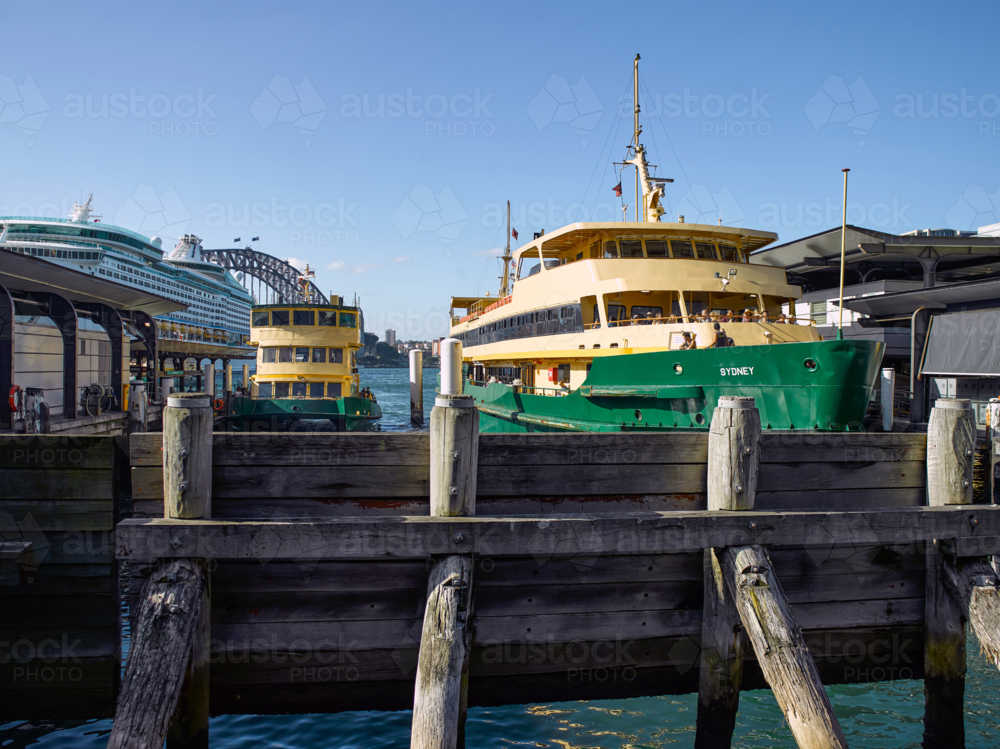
302 415
820 385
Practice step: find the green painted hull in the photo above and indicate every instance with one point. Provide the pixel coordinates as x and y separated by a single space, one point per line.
302 414
821 385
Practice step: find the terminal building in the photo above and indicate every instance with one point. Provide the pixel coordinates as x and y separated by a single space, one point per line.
932 296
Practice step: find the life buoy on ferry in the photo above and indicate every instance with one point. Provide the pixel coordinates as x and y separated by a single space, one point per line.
219 404
15 398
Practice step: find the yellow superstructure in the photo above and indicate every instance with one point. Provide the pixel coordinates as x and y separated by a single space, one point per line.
603 289
305 351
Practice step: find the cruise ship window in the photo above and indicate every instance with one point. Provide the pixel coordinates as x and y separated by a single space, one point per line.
279 317
610 249
281 390
270 355
348 320
706 251
319 356
681 249
334 389
284 355
264 390
656 248
336 356
315 389
328 318
301 355
298 390
631 247
304 317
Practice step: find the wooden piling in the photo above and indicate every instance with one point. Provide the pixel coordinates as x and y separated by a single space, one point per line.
417 387
187 456
165 627
781 650
733 454
444 649
441 693
227 382
246 378
973 586
951 445
944 657
721 661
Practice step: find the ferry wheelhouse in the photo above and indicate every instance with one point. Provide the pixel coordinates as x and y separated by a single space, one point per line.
307 374
644 325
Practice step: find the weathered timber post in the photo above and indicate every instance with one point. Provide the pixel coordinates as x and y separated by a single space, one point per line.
733 458
733 454
781 650
210 379
246 378
441 692
951 442
951 445
159 660
888 398
417 388
973 585
187 456
165 689
227 383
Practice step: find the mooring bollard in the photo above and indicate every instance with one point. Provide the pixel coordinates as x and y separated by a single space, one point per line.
951 447
227 382
417 387
209 374
888 398
733 454
187 456
441 693
246 378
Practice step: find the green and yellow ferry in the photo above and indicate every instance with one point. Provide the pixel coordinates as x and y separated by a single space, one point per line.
643 326
307 376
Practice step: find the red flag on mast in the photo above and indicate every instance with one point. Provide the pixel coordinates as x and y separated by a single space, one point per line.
618 190
513 233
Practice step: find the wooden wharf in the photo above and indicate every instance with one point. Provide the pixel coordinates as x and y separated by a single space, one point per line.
294 573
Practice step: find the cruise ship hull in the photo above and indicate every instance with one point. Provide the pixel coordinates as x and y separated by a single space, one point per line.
817 385
349 414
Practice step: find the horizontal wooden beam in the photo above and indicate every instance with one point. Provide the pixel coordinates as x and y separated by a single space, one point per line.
547 537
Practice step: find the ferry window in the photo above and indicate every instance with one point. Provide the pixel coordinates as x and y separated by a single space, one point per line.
260 319
301 355
579 256
333 389
328 318
304 317
597 316
270 355
681 249
656 248
336 356
643 311
279 317
284 355
348 320
631 247
315 389
298 390
281 390
264 390
595 250
728 253
610 249
319 356
616 312
706 251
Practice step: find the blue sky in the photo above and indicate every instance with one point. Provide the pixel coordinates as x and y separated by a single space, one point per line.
378 141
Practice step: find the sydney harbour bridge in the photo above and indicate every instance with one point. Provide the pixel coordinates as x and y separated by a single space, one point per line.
269 280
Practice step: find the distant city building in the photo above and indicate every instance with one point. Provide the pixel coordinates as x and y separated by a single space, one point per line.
390 337
436 347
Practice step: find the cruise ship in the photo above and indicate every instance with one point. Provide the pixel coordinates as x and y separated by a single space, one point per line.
216 306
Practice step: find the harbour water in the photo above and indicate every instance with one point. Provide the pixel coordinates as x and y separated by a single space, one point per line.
886 714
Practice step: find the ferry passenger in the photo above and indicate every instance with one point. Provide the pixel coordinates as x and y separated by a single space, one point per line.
649 319
782 320
721 339
689 342
763 316
672 318
563 388
747 316
728 317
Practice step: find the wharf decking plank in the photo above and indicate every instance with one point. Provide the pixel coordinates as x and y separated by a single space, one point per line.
48 484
